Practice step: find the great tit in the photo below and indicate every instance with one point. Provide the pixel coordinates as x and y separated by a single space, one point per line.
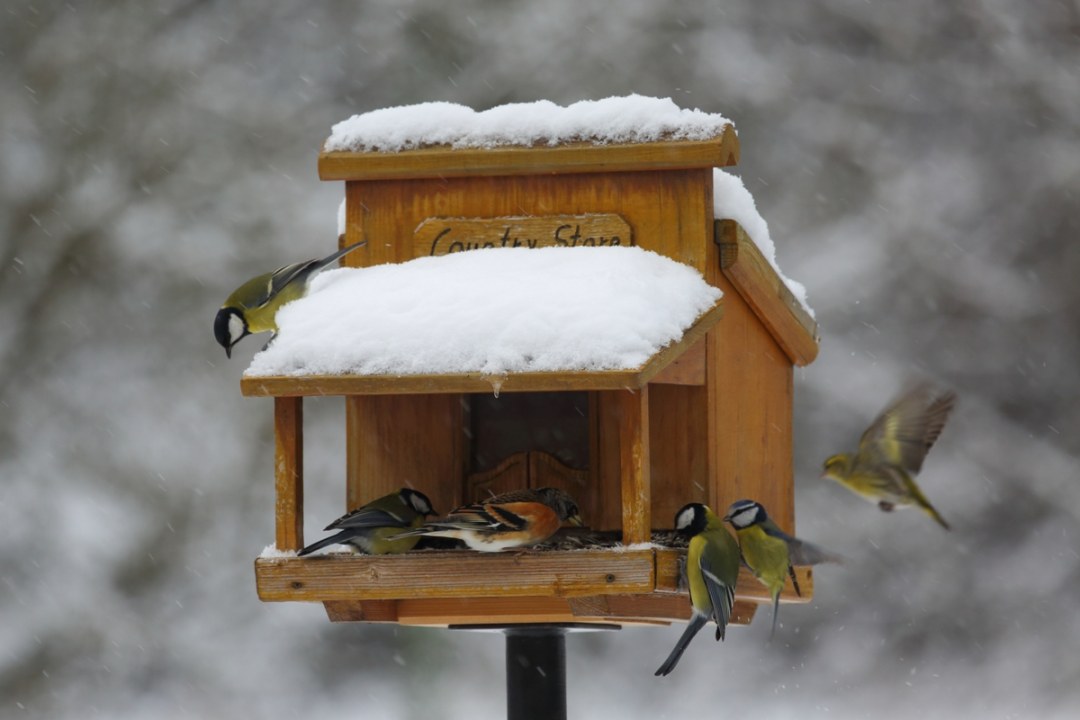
769 552
252 307
892 450
512 520
712 567
373 528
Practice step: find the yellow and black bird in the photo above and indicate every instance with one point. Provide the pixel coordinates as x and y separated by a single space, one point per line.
769 552
892 450
712 567
511 520
252 307
373 528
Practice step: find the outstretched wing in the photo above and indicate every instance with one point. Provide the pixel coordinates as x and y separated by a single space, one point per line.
905 431
801 552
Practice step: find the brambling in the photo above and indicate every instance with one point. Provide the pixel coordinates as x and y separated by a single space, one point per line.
511 520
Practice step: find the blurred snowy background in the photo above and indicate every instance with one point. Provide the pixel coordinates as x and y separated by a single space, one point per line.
918 163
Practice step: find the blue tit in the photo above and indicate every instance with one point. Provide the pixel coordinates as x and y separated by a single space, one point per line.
373 528
512 520
769 552
712 567
892 450
252 307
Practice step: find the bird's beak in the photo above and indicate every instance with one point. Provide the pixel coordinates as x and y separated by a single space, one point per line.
575 520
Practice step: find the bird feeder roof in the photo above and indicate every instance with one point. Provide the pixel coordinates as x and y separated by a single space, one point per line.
448 140
587 318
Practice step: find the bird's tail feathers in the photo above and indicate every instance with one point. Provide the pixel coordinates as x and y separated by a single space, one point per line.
330 259
929 510
925 505
697 621
325 542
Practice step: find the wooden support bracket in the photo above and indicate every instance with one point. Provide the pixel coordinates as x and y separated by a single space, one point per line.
289 472
633 417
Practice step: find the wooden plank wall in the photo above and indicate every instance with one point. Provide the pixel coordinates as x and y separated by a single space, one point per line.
670 213
414 440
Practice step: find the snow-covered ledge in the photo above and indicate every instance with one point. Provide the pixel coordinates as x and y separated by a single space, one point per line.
493 312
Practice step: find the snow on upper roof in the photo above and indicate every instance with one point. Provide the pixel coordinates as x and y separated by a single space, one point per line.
732 200
629 119
490 311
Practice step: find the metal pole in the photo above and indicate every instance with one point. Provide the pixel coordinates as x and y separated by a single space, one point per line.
536 672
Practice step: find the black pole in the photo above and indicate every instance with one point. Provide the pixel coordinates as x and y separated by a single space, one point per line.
536 672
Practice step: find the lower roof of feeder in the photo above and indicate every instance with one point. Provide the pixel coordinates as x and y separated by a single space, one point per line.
548 319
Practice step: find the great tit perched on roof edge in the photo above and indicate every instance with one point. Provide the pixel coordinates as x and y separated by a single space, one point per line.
252 307
892 450
769 552
511 520
712 567
373 528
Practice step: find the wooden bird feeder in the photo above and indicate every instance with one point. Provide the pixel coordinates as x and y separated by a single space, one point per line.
708 419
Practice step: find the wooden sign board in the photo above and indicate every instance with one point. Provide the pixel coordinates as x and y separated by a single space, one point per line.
440 236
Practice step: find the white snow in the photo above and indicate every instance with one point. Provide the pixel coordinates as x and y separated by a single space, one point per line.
271 551
732 200
491 311
335 549
341 218
629 119
634 547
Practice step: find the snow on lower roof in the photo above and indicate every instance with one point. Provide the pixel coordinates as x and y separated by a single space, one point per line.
492 311
732 200
629 119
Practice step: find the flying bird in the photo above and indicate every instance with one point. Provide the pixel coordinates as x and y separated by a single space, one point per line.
892 450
